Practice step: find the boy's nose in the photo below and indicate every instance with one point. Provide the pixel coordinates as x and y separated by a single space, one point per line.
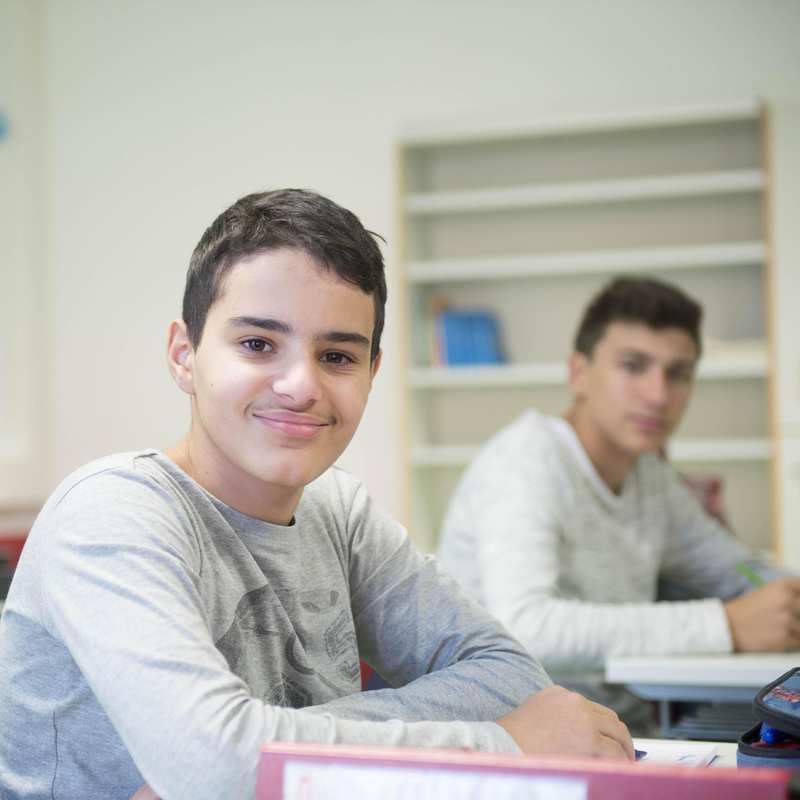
299 382
656 388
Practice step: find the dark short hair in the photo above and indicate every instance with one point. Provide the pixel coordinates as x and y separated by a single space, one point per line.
285 218
651 302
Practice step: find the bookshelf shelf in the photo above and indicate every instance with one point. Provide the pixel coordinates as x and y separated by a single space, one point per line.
442 455
498 130
682 451
576 193
687 451
554 374
526 220
720 367
745 365
722 255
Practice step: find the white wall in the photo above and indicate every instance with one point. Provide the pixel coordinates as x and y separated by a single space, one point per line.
23 348
158 115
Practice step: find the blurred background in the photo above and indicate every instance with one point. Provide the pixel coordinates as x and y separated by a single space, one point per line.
128 126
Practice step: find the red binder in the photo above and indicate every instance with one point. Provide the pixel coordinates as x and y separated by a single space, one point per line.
317 772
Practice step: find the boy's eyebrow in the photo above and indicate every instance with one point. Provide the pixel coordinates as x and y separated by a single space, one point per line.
343 337
624 352
265 323
270 324
632 351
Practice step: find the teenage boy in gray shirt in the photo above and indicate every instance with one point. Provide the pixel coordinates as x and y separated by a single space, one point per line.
565 527
174 611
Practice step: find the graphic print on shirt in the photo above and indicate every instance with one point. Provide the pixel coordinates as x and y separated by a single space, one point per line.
253 645
340 642
264 645
317 601
289 694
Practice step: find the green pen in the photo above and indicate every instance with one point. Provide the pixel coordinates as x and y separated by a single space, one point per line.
752 576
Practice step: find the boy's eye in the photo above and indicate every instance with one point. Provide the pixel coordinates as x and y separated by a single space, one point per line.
680 374
634 367
257 345
337 358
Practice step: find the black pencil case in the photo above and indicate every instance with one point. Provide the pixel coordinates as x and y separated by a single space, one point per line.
776 705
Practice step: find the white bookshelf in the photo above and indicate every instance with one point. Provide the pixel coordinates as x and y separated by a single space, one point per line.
529 219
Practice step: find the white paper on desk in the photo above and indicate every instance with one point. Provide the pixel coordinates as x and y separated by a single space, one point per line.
309 781
666 751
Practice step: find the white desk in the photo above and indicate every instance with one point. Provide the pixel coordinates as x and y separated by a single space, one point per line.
726 755
733 678
702 677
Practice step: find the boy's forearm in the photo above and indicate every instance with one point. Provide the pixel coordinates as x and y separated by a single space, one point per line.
451 658
571 636
481 689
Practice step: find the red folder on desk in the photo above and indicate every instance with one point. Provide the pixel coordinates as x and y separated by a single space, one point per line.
330 772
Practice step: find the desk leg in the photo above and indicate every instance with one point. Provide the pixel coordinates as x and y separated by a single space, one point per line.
664 721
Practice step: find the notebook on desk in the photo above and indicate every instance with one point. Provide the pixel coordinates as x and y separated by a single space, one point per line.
676 752
331 772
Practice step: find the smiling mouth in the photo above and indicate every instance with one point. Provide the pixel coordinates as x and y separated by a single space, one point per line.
649 424
297 426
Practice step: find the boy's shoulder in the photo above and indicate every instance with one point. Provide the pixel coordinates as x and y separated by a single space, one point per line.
532 435
132 463
342 500
115 462
124 496
336 487
141 478
535 448
149 479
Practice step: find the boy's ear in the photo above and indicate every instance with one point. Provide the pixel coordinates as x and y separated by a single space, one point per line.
577 367
374 366
180 356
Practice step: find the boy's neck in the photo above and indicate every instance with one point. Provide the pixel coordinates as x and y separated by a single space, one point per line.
273 504
612 464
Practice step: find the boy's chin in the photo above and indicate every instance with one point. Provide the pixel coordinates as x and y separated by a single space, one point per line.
294 477
657 446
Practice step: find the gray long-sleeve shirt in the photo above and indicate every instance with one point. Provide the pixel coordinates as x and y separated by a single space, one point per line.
154 634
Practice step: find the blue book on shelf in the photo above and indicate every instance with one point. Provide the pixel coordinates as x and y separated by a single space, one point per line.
469 337
486 338
453 335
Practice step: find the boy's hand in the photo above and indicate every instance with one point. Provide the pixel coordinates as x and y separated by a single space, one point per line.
145 793
556 721
767 618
